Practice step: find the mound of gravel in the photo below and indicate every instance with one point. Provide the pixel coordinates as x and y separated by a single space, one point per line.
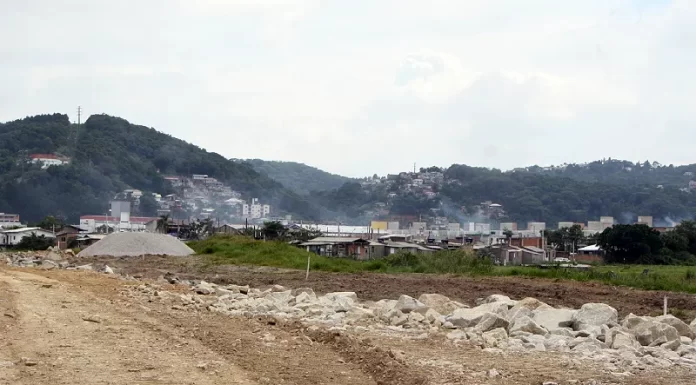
137 244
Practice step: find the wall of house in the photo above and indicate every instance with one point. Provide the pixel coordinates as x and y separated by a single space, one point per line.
13 239
588 258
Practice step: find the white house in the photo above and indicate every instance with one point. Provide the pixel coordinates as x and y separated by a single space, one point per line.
47 160
13 237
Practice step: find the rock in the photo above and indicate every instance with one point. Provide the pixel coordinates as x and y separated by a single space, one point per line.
456 335
397 318
344 294
305 297
92 318
496 338
433 317
493 373
301 290
525 308
204 288
108 270
28 361
549 383
587 345
477 317
686 340
683 329
48 265
500 298
650 332
440 303
533 342
407 304
53 256
553 319
557 343
526 324
593 315
415 317
339 302
617 339
239 289
84 267
278 288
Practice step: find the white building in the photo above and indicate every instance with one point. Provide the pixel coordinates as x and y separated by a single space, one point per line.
14 237
536 226
255 210
9 220
48 160
92 223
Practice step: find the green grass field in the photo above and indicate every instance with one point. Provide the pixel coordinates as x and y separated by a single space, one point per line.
246 251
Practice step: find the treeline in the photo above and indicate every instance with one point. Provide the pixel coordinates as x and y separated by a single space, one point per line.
298 177
640 244
108 155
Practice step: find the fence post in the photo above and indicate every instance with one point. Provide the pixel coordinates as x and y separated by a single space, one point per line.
664 310
307 275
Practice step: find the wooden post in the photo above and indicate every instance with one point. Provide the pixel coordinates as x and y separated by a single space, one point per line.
665 306
307 275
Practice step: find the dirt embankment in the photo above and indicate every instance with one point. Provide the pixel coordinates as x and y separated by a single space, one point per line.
371 286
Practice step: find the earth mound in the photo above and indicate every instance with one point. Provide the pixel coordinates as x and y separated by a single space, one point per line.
136 245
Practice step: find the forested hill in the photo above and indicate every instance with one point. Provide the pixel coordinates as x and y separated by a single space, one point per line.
621 172
109 154
298 177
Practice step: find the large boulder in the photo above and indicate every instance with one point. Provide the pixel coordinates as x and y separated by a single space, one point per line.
592 316
339 301
407 304
479 317
619 339
500 298
525 307
440 303
682 328
651 332
554 319
526 324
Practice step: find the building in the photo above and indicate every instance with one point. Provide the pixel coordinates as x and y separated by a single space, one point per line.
645 220
520 241
67 235
121 209
536 227
592 253
15 236
512 226
255 210
339 247
562 225
106 223
48 160
9 220
606 221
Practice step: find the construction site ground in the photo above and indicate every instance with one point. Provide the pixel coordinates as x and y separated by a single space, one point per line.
71 327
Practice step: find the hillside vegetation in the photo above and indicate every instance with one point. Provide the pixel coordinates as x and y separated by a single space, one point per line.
110 154
298 177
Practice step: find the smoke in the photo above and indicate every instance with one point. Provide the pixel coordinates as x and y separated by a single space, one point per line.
627 218
667 222
452 211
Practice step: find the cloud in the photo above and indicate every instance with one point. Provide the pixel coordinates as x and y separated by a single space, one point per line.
369 86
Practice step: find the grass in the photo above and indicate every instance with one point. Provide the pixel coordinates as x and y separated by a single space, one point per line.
223 250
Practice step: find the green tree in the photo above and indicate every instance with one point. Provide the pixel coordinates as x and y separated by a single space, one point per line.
631 244
50 223
273 230
35 242
162 224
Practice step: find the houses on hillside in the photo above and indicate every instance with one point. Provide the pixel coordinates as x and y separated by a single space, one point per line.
14 237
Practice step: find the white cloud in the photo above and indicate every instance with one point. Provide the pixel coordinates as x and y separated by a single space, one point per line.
368 86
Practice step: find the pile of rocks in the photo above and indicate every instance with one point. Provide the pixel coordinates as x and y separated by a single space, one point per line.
50 259
594 331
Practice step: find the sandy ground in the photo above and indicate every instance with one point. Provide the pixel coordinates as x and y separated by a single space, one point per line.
66 327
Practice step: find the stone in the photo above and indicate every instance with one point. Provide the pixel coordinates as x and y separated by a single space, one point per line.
500 298
305 297
280 297
525 307
85 267
496 338
650 332
553 319
278 288
343 294
53 256
557 343
534 342
407 304
108 270
415 317
47 264
617 339
456 335
593 315
683 329
339 302
239 289
92 318
526 324
490 321
493 373
440 303
686 340
477 317
549 383
204 288
433 317
587 345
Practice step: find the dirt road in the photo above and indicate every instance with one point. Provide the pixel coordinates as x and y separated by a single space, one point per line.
67 327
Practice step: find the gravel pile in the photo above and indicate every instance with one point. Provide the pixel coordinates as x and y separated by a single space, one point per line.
137 244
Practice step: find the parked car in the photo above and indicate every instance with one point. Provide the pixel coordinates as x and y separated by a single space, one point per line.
561 260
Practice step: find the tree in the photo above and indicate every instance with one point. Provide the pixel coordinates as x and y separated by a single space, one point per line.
273 230
631 244
35 242
50 223
148 206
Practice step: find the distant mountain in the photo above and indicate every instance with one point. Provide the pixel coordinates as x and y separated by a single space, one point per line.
108 154
298 177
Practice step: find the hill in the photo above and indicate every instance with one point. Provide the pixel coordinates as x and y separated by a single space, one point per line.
526 195
109 154
298 177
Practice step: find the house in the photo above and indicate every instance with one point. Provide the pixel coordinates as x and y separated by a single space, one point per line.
229 230
521 241
392 247
67 235
15 236
338 247
9 220
532 255
592 253
47 160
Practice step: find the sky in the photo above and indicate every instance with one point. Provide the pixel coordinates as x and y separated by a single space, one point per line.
368 86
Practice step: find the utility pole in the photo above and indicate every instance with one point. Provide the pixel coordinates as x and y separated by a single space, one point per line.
79 115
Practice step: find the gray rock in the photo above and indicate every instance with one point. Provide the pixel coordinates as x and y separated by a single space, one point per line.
85 267
554 319
617 339
108 270
592 316
682 328
204 288
557 343
440 303
686 340
526 324
407 304
650 332
500 298
478 317
587 345
48 265
456 335
343 294
525 307
496 338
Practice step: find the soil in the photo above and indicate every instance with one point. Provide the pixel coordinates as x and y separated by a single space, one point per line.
374 286
68 327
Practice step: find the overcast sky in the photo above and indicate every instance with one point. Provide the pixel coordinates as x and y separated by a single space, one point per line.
368 86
